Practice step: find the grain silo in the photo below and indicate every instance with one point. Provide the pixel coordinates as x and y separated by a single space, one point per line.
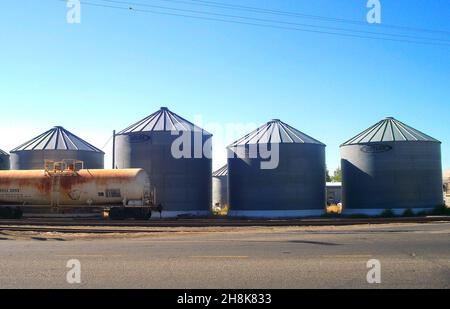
220 187
56 144
182 181
391 166
291 185
4 160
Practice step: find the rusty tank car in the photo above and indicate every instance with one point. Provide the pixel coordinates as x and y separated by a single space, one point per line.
63 185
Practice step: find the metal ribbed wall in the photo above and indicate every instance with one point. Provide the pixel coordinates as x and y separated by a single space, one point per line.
55 144
295 188
220 187
391 166
183 186
4 160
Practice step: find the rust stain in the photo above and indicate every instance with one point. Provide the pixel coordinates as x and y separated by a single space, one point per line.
26 179
42 182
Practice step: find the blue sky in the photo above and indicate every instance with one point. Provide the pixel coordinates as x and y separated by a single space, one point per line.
118 66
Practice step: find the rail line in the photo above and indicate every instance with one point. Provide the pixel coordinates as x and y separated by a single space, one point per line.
78 230
133 226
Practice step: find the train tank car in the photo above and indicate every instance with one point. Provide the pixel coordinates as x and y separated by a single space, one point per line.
64 188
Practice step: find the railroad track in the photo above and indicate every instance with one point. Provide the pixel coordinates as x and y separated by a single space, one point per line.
134 226
77 230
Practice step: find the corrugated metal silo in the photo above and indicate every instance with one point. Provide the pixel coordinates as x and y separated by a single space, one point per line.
55 144
391 166
295 188
4 160
220 187
183 185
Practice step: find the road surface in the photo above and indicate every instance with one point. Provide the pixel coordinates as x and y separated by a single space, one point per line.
411 256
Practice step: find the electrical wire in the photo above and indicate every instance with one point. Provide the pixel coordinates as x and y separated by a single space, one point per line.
296 14
129 3
107 142
130 8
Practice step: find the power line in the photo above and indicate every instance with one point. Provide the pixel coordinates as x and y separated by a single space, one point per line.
107 142
275 21
296 14
258 24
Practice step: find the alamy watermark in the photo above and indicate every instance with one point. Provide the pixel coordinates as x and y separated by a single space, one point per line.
73 276
196 144
374 273
73 15
74 12
374 14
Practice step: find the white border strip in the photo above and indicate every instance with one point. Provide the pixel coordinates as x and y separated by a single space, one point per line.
276 213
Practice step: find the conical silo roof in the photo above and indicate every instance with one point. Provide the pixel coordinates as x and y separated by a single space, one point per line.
223 171
389 130
2 153
275 132
163 120
57 138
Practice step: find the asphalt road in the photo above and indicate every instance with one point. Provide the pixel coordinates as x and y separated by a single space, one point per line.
411 256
